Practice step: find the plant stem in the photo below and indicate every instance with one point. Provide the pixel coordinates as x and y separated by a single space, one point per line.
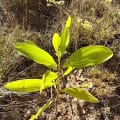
59 75
58 89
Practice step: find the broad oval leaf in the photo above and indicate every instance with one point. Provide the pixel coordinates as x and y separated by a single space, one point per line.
37 54
81 94
56 41
27 85
65 36
89 56
41 110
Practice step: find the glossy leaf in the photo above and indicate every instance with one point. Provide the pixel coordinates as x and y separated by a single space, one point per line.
47 79
89 56
81 94
37 54
27 85
41 110
65 36
56 41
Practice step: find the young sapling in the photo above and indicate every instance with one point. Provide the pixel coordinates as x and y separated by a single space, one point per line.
83 57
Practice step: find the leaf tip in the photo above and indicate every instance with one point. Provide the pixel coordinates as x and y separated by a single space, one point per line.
68 22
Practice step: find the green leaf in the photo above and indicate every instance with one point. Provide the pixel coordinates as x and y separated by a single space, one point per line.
47 79
56 41
65 36
41 110
89 56
27 85
81 94
37 54
68 71
68 22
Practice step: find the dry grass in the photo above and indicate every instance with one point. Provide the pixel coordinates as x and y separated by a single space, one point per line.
102 17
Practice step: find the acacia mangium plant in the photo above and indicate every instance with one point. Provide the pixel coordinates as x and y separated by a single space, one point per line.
83 57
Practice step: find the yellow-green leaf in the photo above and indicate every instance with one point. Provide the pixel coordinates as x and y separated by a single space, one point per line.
41 110
89 56
26 85
65 36
47 79
81 94
56 41
37 54
68 22
68 71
